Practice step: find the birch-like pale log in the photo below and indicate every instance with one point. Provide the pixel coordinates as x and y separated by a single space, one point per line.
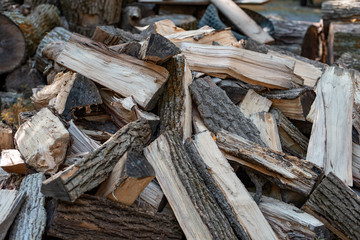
242 21
330 143
248 66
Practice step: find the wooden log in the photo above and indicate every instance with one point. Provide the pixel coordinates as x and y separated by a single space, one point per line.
164 27
6 136
337 206
70 183
110 36
131 174
93 217
349 60
151 198
175 107
185 21
294 103
222 115
248 66
356 164
130 48
289 222
242 21
333 110
12 162
157 49
31 220
292 140
286 171
80 142
44 148
342 37
340 10
122 75
84 16
196 210
254 103
237 204
56 34
10 202
34 27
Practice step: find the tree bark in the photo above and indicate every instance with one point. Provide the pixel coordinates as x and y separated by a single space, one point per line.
92 217
70 183
337 206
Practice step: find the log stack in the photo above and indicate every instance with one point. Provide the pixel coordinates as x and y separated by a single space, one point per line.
171 134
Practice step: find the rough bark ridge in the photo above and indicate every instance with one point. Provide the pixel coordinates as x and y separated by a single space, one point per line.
175 99
93 217
200 195
31 220
215 191
69 184
218 112
337 206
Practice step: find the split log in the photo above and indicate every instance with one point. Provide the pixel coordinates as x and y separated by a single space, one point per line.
356 164
294 103
333 111
187 22
131 174
45 148
125 75
340 10
349 60
157 49
151 198
204 35
92 217
218 112
83 16
198 124
56 34
70 183
254 103
124 110
231 195
286 171
342 37
130 48
6 137
248 66
110 36
164 27
12 162
292 140
80 142
31 220
289 222
242 21
10 202
196 210
337 206
23 34
175 107
24 116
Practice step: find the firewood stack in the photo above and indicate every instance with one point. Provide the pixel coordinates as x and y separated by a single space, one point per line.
173 134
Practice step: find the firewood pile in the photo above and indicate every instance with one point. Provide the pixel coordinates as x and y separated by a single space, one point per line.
167 133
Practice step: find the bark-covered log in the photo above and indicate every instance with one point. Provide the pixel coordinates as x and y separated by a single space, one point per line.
125 75
356 164
330 148
92 217
195 208
70 183
175 106
31 220
337 206
110 36
340 10
286 171
10 202
238 206
217 111
131 48
56 34
83 16
157 49
34 27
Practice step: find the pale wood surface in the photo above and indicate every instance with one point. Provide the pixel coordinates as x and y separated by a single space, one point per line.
6 137
332 122
242 21
151 197
43 141
81 143
254 103
245 65
119 72
12 162
246 211
10 203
